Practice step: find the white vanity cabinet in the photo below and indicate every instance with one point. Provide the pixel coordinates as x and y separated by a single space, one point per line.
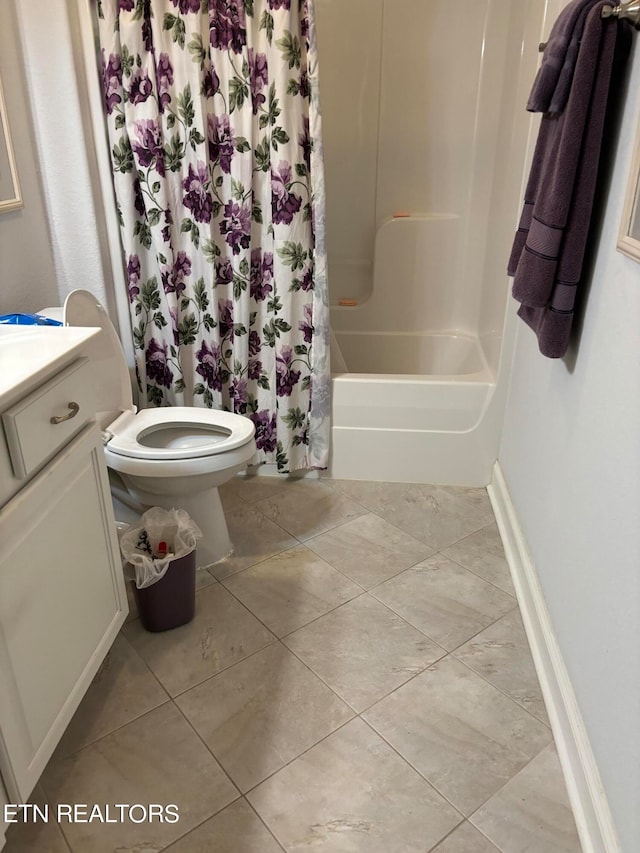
62 593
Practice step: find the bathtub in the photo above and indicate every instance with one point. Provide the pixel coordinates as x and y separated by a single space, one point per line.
410 407
405 353
410 404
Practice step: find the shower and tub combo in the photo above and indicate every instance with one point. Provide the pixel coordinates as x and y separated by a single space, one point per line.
423 135
408 395
420 212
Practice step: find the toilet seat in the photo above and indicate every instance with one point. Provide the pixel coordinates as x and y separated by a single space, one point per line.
159 435
178 432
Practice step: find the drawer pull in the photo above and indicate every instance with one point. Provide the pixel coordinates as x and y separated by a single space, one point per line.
58 419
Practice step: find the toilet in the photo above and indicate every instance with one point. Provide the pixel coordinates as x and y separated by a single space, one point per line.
172 456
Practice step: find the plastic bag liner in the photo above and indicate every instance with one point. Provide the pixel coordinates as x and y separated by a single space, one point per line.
140 543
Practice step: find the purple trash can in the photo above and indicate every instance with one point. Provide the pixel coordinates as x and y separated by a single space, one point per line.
171 601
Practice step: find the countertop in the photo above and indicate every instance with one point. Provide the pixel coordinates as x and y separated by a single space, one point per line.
31 354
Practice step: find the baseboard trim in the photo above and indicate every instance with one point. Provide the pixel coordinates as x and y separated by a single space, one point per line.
588 800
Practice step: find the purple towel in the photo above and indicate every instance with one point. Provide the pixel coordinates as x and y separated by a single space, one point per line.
548 251
552 85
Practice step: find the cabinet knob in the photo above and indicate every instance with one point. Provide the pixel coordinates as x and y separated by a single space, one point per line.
57 419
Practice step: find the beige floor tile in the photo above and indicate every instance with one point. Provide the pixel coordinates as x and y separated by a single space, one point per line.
35 838
157 758
465 839
122 690
309 507
531 814
236 829
439 515
374 495
221 634
203 578
471 724
254 538
482 553
253 487
351 792
501 654
262 713
363 650
36 835
445 601
289 590
461 733
369 550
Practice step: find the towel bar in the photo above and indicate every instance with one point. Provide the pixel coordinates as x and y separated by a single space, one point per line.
627 11
622 11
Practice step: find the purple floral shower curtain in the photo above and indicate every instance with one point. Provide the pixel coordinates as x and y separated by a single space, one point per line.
214 130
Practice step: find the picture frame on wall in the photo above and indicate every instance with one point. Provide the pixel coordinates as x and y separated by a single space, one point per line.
629 236
10 197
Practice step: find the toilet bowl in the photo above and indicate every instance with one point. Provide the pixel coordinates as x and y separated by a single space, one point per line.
172 456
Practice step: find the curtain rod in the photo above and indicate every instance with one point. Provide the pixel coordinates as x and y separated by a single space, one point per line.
624 11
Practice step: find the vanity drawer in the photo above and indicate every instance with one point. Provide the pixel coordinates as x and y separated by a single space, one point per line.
32 435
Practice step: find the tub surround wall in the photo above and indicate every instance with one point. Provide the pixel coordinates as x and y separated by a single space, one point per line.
395 138
349 40
411 123
502 199
408 252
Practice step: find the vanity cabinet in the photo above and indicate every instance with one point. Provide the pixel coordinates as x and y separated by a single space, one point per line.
62 592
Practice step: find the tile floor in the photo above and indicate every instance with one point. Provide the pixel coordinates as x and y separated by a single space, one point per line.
357 678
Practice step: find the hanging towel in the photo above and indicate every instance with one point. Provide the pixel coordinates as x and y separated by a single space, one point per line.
552 85
548 250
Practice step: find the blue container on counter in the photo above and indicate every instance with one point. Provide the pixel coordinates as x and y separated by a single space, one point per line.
27 320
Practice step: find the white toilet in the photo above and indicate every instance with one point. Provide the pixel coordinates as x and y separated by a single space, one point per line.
169 457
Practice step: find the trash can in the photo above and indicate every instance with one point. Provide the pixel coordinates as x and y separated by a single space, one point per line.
160 554
171 601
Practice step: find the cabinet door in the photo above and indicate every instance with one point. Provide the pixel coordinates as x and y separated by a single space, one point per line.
62 602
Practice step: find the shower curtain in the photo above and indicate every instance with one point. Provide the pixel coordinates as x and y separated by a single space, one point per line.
214 130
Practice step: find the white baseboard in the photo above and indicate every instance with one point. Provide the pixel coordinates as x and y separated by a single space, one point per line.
588 800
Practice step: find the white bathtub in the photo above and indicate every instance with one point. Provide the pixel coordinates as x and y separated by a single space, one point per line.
408 353
410 407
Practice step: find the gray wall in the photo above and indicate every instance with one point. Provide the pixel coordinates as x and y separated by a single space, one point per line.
570 454
27 275
60 240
